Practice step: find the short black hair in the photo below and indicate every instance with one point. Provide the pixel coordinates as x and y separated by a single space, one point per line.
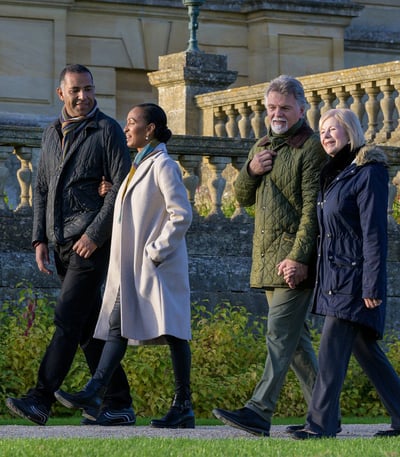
74 68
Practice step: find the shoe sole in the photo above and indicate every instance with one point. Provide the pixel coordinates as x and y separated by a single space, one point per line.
68 404
108 424
189 424
253 431
10 405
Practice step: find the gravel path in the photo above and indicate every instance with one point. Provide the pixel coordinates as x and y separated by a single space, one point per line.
200 432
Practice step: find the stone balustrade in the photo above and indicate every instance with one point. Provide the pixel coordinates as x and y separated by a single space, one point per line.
372 92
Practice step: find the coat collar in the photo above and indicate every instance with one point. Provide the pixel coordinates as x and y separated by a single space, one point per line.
295 141
370 153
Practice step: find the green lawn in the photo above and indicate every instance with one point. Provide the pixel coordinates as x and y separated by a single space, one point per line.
184 447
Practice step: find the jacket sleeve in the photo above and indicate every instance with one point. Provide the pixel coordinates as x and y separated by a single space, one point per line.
372 201
40 193
245 186
117 163
177 207
304 246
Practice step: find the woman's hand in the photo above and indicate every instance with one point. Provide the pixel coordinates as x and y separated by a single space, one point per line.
372 302
104 187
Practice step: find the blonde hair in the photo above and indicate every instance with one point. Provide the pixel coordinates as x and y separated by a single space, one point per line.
350 122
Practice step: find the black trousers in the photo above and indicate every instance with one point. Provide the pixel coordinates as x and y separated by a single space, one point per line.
75 318
115 348
339 340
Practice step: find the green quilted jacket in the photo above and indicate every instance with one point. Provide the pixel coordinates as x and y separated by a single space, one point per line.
285 204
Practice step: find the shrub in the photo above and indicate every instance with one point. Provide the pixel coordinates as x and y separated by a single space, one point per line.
228 356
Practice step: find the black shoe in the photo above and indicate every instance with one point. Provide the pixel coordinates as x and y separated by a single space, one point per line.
245 419
29 408
89 399
295 428
307 435
124 416
180 415
390 433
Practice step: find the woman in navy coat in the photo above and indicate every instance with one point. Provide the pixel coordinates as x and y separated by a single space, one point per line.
351 283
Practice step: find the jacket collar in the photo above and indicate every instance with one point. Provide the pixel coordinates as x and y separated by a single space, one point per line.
296 140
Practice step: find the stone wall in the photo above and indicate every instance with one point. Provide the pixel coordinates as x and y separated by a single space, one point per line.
219 264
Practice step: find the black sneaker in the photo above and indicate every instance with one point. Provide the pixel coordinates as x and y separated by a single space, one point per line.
29 408
125 416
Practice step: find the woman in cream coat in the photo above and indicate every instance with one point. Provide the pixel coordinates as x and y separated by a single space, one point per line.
147 294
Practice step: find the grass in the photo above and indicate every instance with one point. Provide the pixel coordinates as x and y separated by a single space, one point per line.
184 447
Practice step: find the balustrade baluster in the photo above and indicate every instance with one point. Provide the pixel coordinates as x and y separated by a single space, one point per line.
232 125
258 120
244 121
358 108
328 97
5 152
395 136
387 108
220 121
313 113
189 165
237 164
216 183
372 109
24 175
343 96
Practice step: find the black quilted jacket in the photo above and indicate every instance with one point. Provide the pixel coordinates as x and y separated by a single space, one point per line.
66 202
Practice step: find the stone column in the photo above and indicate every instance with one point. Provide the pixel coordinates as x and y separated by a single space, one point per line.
180 78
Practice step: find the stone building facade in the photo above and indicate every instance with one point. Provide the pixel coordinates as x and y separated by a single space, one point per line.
122 40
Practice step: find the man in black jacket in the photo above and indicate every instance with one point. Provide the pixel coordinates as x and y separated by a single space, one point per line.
79 150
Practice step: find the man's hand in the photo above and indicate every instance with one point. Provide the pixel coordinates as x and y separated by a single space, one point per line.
293 272
42 258
262 162
84 247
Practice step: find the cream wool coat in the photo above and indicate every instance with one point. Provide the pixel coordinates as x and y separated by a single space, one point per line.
150 224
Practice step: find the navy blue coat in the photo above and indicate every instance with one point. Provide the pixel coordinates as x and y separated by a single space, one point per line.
352 217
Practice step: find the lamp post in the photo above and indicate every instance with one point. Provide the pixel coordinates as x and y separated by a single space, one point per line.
194 8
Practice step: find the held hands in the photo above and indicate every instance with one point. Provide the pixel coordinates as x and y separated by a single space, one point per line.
84 247
262 162
293 272
104 187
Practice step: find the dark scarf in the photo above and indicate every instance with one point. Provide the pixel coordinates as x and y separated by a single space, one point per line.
336 165
278 139
71 126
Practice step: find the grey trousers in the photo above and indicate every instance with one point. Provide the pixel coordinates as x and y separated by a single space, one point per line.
289 346
339 340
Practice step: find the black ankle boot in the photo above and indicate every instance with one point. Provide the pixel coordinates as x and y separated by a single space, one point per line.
180 415
89 399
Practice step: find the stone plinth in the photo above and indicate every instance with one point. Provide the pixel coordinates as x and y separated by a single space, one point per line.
180 78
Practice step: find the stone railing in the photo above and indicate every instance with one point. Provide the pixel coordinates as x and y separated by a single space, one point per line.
207 163
372 92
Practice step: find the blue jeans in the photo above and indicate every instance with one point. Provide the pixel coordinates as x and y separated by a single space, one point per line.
339 340
289 346
75 318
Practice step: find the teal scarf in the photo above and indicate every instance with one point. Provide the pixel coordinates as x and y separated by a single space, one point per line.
147 150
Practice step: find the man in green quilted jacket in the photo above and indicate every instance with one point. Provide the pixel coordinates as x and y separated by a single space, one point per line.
281 177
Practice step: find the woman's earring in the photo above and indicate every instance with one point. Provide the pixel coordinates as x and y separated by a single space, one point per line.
147 137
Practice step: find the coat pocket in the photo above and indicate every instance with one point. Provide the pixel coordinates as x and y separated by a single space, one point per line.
346 274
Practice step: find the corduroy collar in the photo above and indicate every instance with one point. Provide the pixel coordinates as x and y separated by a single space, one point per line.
296 140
